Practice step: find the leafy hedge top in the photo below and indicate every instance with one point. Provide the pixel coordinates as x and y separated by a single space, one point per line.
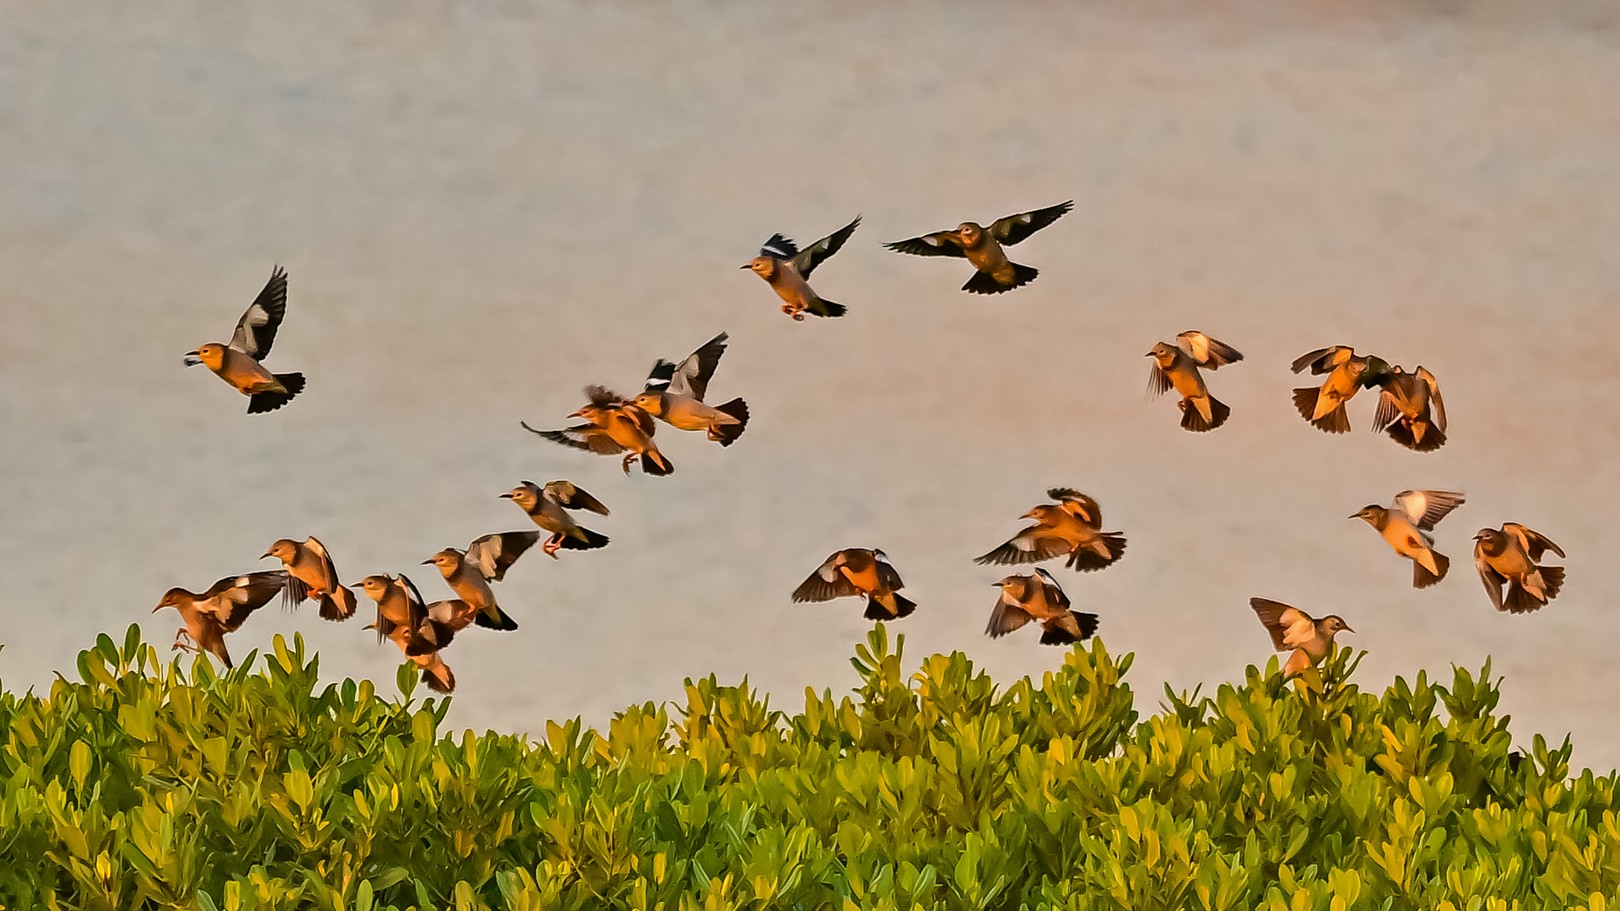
145 785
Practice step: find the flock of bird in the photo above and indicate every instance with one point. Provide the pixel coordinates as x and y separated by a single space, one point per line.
1409 410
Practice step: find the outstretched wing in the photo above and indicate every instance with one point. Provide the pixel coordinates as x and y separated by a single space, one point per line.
1389 409
1158 380
1323 360
1206 351
888 576
690 376
1006 616
1280 620
826 583
779 247
568 496
940 243
242 595
808 259
1492 580
494 554
588 437
1534 543
1051 590
1077 504
1014 228
1427 507
1437 405
256 330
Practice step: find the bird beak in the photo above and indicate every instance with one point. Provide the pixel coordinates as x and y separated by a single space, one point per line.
746 266
577 414
263 555
505 496
426 562
1149 354
192 359
1348 628
1354 515
1028 515
156 609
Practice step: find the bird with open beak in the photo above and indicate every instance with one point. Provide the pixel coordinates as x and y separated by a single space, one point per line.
313 577
404 619
239 362
612 426
787 269
674 394
221 609
1511 556
1310 639
1347 373
1411 410
859 572
1406 524
1071 526
982 247
486 560
1176 367
548 506
1038 596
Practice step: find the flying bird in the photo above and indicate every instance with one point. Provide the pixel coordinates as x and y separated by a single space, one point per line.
548 506
1406 524
857 571
1410 410
1291 628
404 619
982 247
785 268
612 426
674 394
313 577
1037 596
1176 367
486 560
1347 374
1071 527
221 609
1511 556
238 363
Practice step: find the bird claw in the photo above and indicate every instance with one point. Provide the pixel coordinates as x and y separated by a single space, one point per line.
626 463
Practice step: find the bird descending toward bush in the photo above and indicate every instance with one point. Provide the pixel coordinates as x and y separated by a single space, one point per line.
785 268
982 247
1411 410
1291 628
1347 374
1038 596
1176 367
404 619
1406 524
548 506
1072 526
238 363
221 609
485 560
1511 556
313 577
857 571
674 394
612 426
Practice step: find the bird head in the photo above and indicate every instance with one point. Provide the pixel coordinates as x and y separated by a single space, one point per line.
1007 582
650 402
447 560
1333 623
1042 512
525 495
762 266
211 355
376 586
175 598
1371 514
1164 354
284 550
969 232
1491 540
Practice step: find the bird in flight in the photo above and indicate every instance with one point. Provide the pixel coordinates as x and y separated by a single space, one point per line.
1511 556
859 572
982 247
238 363
1037 596
1292 629
674 394
1405 524
1176 367
787 269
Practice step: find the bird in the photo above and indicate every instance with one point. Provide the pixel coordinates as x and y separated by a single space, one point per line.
313 577
1347 374
485 560
1037 596
674 394
221 609
1511 556
1291 628
1071 527
863 572
982 247
1176 367
548 506
785 268
1411 410
1406 524
404 619
238 363
612 426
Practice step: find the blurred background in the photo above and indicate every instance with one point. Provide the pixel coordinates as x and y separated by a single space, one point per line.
485 206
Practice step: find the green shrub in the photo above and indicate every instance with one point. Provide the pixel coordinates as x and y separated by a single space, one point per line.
146 785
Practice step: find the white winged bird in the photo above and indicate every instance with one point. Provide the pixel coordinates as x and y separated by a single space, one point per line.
613 426
313 576
1405 524
486 560
982 247
221 609
1176 367
1292 629
548 506
1070 527
1411 410
674 394
414 626
787 269
1347 374
238 363
859 572
1511 556
1038 596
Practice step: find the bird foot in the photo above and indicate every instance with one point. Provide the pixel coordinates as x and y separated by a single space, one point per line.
626 463
552 545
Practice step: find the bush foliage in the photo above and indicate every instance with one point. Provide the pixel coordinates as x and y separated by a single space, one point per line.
145 785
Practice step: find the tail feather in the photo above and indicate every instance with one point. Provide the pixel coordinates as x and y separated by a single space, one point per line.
1335 421
436 683
1193 419
1402 432
1552 580
1067 630
830 309
985 283
726 434
1422 578
591 541
1519 600
654 463
891 606
337 604
261 402
501 621
1086 560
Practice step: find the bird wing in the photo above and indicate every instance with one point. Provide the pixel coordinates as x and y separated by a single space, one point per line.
603 397
779 247
1008 614
1323 360
415 604
1534 543
568 496
690 376
1279 620
1437 405
1053 591
494 554
1492 580
1206 351
1014 228
314 546
888 576
940 243
1078 505
643 421
812 256
256 330
588 437
1028 546
826 583
1389 409
245 594
1426 507
1158 380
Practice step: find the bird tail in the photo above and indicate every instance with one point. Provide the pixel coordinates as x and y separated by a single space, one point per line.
438 677
985 283
891 606
1519 600
1335 421
1193 419
1085 559
590 541
654 463
823 307
500 621
1402 433
1422 578
260 402
1070 629
726 434
337 604
1552 580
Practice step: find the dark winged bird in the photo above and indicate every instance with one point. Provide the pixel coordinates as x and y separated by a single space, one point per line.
548 506
1037 596
238 363
414 626
674 394
1292 629
1410 410
221 609
1176 367
486 560
1347 373
982 247
1511 556
1406 524
313 577
612 426
786 269
1070 527
857 571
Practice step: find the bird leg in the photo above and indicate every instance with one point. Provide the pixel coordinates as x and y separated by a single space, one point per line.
181 638
630 457
552 545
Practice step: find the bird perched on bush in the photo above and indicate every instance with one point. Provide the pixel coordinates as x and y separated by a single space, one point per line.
1406 524
857 571
1511 556
404 619
221 609
982 247
1176 367
1347 374
485 560
313 576
1071 526
1291 628
674 394
785 268
612 425
1411 410
548 506
1038 596
238 363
